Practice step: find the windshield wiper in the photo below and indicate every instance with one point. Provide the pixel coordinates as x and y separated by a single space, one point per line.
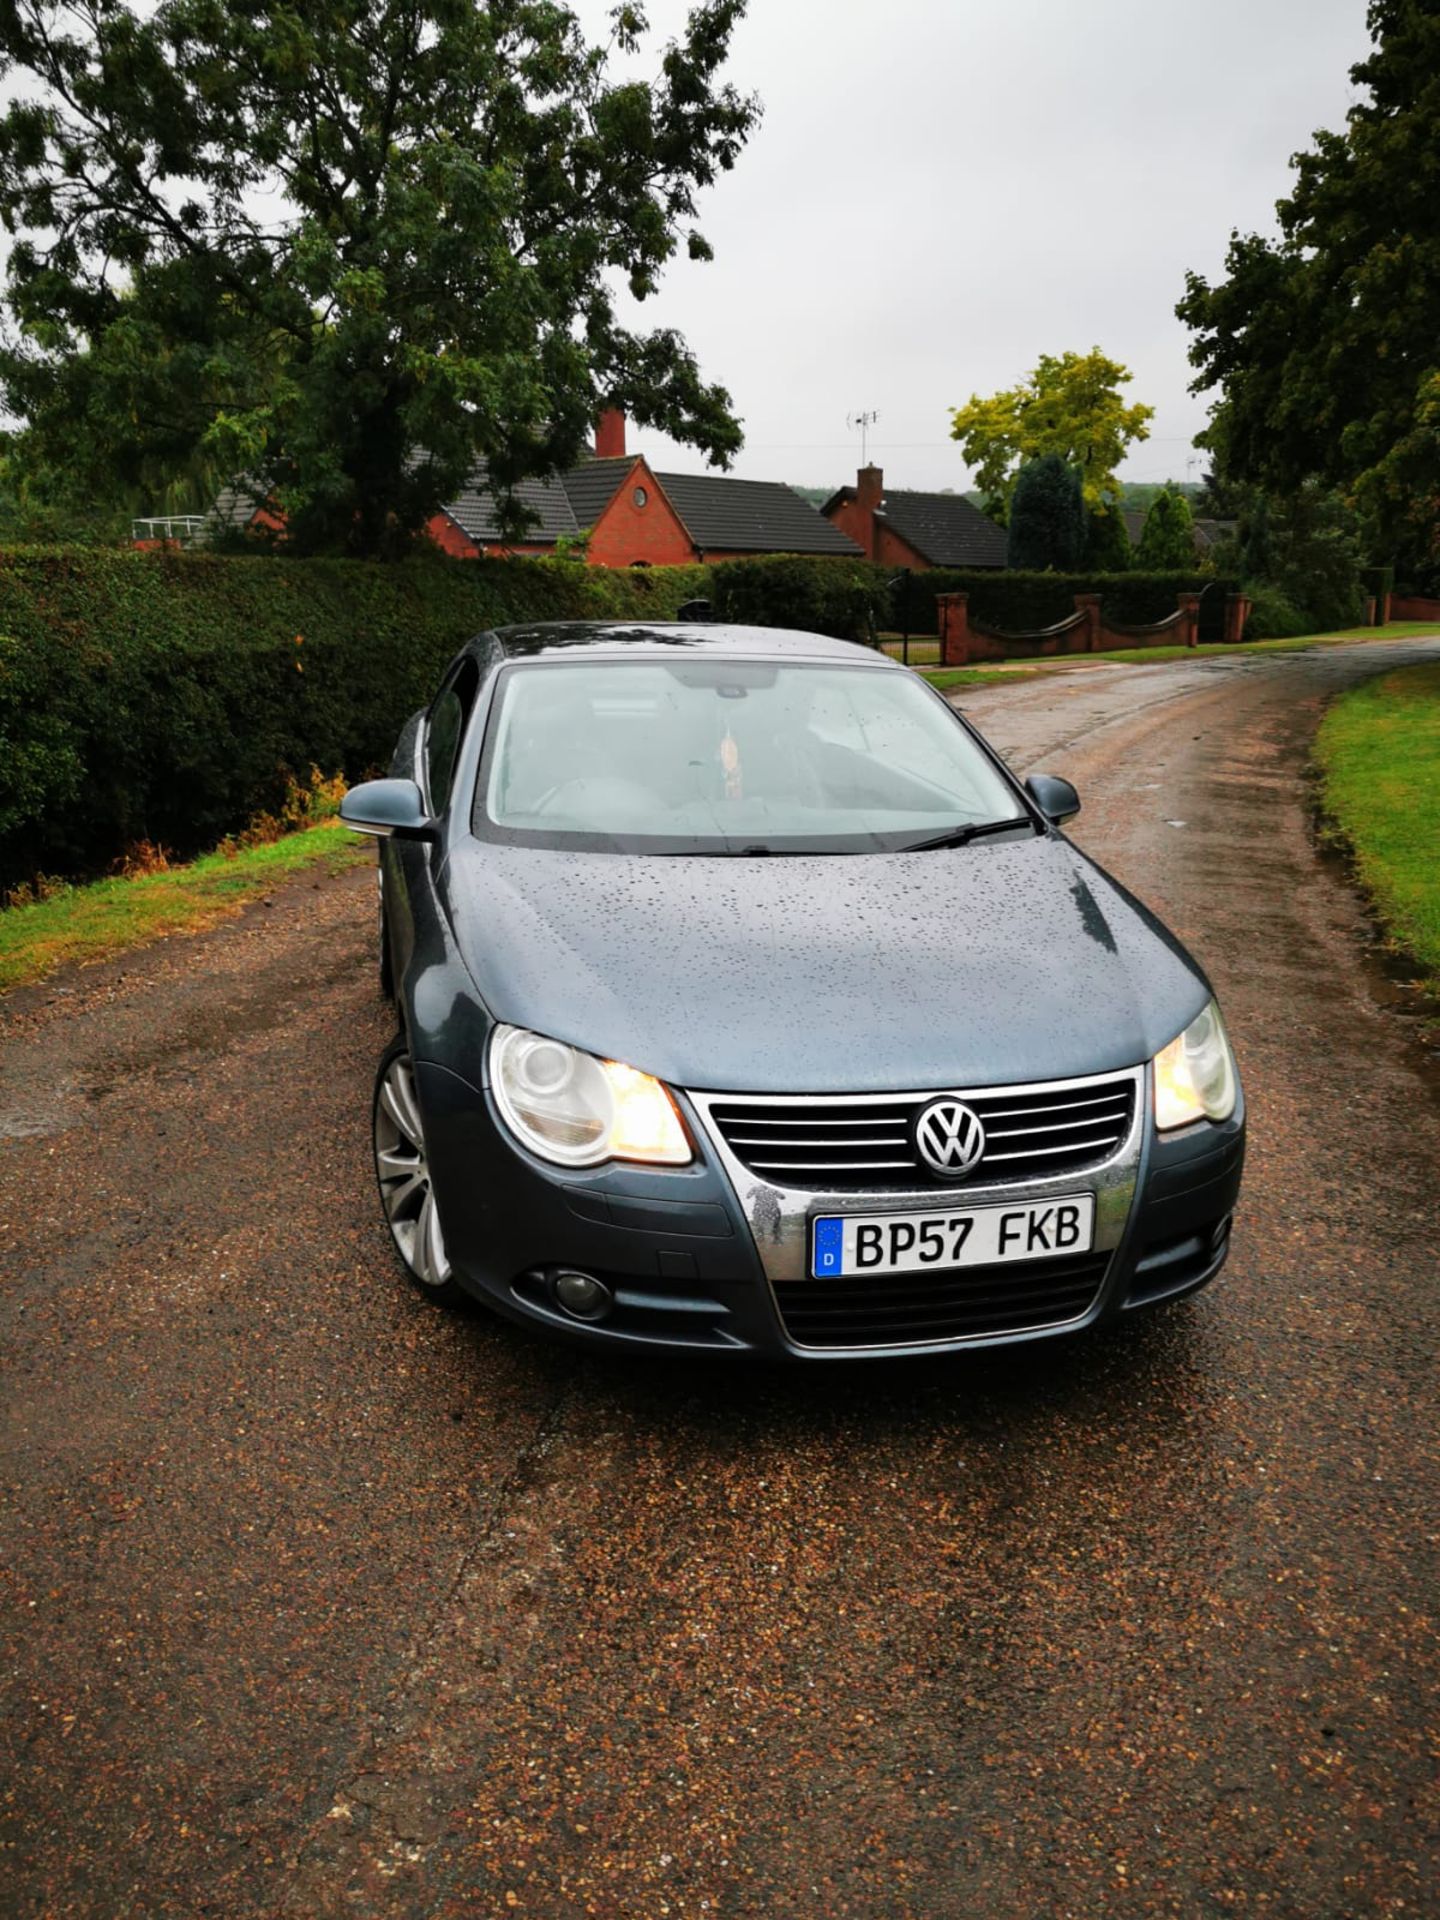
961 836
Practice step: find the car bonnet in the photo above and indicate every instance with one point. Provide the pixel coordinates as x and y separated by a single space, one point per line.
993 963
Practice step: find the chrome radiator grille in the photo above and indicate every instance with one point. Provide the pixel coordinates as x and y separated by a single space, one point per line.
830 1143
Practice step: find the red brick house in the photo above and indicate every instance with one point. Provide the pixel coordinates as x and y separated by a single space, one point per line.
636 516
916 530
633 516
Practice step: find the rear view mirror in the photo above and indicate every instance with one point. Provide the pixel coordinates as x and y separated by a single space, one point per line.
386 807
1056 798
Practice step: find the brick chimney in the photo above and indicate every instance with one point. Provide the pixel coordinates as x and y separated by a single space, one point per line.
869 488
610 434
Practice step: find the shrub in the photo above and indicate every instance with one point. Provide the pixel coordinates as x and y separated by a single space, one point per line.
171 698
1168 536
1305 546
1107 543
1273 616
847 599
1047 515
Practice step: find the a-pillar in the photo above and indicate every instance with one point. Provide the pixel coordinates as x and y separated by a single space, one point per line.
953 613
1089 605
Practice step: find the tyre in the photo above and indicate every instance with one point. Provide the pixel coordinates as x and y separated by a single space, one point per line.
403 1172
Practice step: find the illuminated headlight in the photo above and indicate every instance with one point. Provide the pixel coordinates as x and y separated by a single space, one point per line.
577 1110
1195 1075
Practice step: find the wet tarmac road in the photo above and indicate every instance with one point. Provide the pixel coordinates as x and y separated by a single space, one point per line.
318 1601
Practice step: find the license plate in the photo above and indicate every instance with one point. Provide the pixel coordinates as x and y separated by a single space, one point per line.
852 1244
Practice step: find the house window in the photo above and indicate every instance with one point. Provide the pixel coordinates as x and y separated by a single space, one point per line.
639 496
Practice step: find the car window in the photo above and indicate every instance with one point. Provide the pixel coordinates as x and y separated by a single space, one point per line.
444 729
713 755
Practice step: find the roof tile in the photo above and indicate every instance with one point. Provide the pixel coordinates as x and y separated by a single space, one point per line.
945 528
751 516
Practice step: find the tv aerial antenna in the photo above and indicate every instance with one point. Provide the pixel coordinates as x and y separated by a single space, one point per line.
864 422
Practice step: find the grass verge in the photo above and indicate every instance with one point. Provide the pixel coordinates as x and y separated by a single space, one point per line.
1378 750
105 917
1156 656
944 677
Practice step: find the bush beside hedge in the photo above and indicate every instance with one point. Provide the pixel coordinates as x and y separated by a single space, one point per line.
165 696
1274 616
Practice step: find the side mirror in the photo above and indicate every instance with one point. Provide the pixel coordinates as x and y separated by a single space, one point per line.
386 807
1056 798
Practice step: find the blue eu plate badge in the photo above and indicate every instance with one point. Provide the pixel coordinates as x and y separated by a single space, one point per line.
829 1246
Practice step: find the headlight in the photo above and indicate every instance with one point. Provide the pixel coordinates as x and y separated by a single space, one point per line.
1195 1074
576 1110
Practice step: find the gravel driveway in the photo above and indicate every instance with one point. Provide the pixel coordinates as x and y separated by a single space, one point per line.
321 1602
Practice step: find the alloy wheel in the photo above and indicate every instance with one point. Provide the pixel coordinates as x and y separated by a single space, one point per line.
405 1185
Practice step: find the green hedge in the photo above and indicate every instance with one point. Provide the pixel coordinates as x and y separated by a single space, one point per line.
1422 578
164 696
1015 602
853 599
847 599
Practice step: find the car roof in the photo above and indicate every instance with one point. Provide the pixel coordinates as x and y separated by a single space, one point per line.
616 638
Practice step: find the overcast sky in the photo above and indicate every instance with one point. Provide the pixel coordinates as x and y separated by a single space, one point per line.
942 190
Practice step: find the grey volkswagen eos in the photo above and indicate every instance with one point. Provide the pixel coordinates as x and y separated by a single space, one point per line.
749 1003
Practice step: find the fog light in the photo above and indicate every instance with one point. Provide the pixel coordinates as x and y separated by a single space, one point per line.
580 1294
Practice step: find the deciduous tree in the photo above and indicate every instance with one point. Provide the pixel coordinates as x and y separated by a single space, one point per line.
1322 343
1071 406
348 249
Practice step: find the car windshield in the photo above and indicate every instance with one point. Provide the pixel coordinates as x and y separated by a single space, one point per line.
730 757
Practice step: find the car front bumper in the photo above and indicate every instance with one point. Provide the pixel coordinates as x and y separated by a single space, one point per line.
705 1257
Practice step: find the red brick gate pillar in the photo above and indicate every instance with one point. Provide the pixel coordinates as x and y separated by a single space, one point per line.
1190 625
953 611
1237 612
1089 605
